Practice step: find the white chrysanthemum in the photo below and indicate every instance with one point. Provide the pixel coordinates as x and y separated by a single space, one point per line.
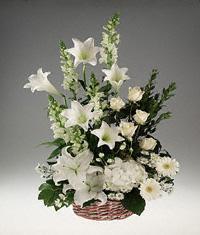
84 52
150 189
167 166
123 175
116 76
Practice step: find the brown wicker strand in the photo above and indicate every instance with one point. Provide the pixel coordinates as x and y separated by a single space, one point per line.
112 210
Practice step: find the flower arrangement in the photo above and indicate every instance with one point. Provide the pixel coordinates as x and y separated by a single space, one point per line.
104 150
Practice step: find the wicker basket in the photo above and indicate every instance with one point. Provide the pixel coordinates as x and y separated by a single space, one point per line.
112 210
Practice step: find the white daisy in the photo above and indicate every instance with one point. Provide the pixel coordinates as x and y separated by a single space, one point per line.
167 166
150 189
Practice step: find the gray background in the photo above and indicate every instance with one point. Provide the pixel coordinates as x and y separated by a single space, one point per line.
161 34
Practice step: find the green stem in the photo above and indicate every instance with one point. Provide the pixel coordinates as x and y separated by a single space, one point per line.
84 75
65 100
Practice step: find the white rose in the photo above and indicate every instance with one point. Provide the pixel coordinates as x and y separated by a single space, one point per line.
140 117
116 103
127 129
135 94
148 143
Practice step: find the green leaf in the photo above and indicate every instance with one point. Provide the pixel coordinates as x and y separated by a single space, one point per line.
49 193
56 142
134 202
56 152
82 84
69 197
105 88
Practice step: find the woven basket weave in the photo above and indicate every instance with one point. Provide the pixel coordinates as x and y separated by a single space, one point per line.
112 210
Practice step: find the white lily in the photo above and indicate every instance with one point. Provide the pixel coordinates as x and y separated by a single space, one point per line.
107 135
73 169
78 115
40 82
84 52
116 76
91 189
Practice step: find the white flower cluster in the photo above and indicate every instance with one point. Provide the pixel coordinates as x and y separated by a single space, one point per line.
165 166
46 172
122 176
110 40
104 148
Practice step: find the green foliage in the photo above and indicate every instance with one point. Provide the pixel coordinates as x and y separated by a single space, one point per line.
69 198
56 142
49 192
93 87
56 152
167 93
154 102
134 202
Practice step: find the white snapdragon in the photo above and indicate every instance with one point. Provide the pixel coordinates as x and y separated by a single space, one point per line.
123 175
58 131
84 52
127 129
116 103
140 116
40 82
148 143
135 94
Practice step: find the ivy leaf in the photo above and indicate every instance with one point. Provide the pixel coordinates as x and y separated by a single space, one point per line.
49 193
134 202
69 198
